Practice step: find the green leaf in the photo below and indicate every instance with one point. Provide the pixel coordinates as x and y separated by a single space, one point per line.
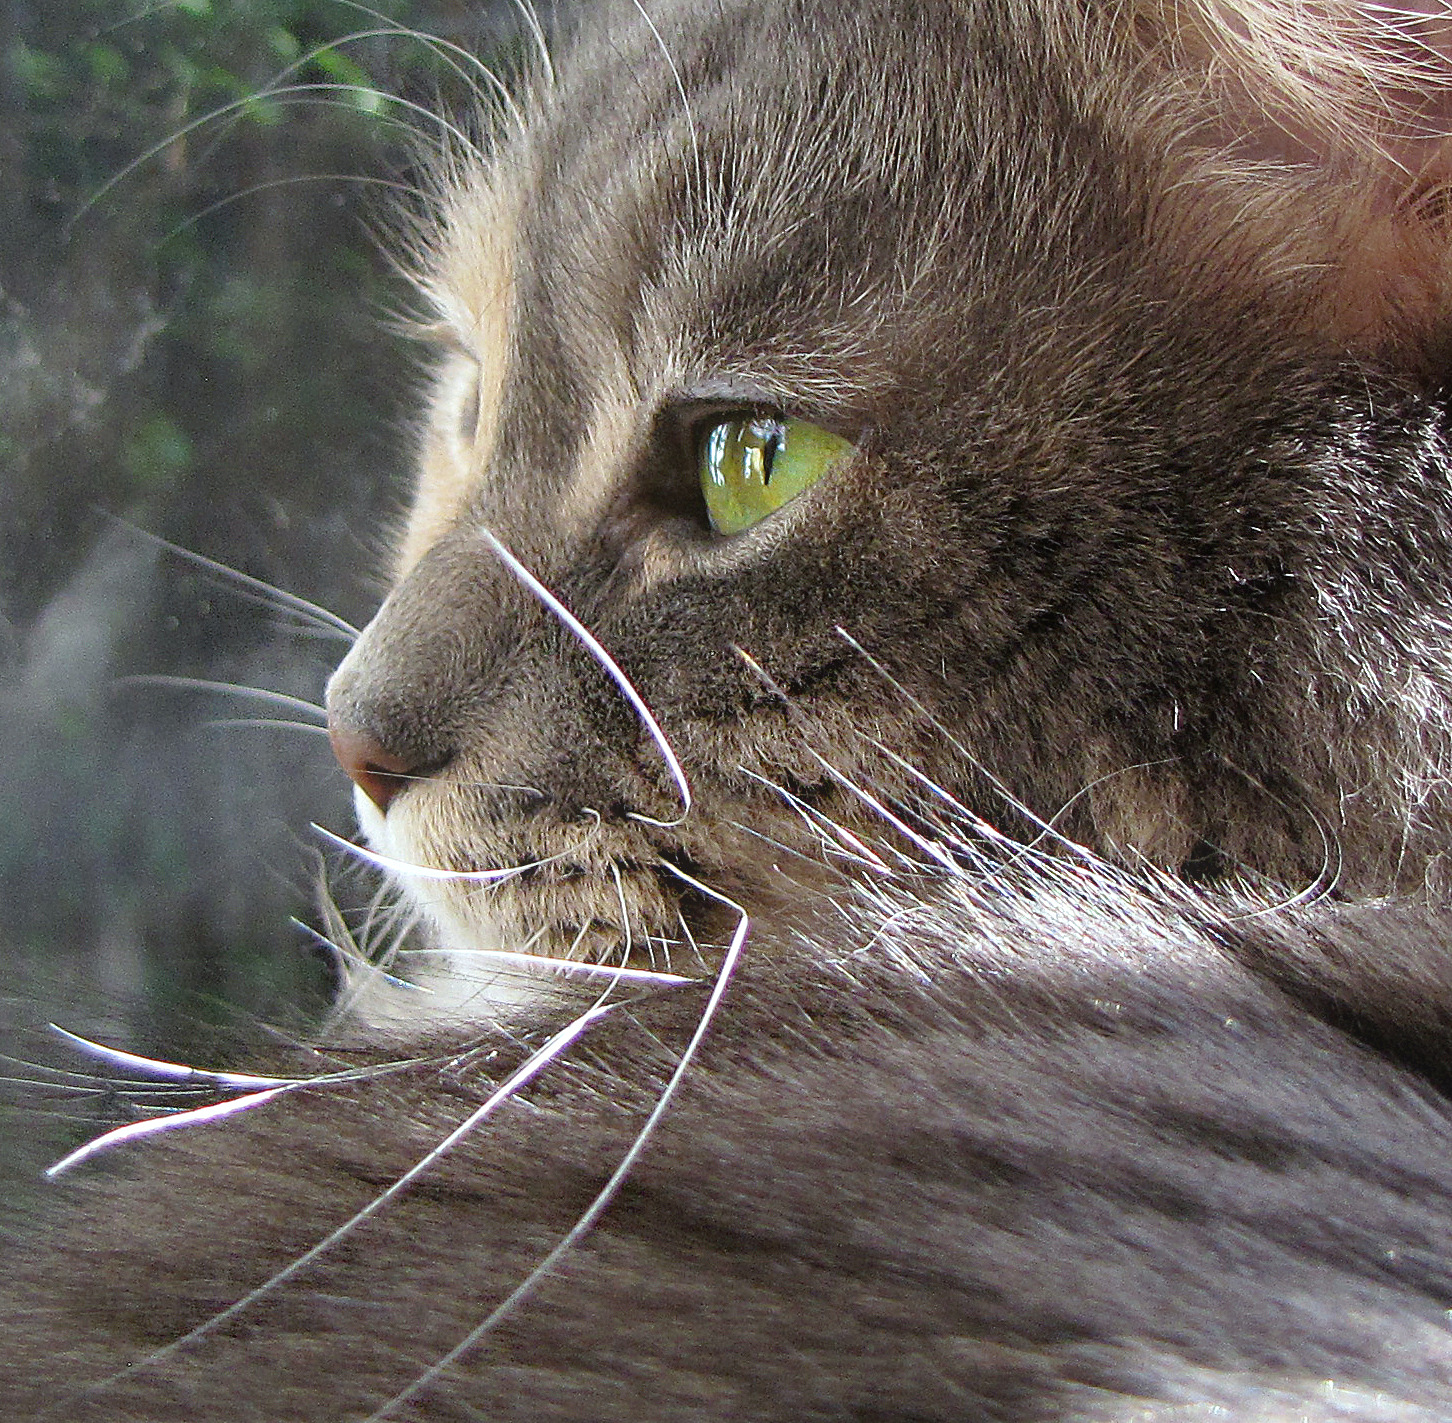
341 70
283 43
155 452
42 75
107 64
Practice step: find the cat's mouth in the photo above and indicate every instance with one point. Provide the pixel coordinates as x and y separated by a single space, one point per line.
494 894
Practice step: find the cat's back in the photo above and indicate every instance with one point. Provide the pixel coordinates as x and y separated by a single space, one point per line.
1101 638
1074 1162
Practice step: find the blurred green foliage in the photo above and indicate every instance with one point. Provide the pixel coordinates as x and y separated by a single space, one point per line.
190 293
182 219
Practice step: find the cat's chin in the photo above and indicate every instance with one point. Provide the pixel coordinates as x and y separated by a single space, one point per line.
462 962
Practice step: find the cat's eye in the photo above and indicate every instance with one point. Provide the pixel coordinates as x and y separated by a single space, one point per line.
752 465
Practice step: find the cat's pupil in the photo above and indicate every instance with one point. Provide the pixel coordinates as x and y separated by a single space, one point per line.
760 440
771 442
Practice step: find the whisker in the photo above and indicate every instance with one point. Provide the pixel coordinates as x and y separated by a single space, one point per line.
934 851
980 826
235 689
565 967
404 867
531 19
371 947
102 1087
266 95
514 1083
391 29
681 90
326 621
771 840
594 647
597 1207
852 846
255 1091
46 1114
161 1070
48 1076
359 179
624 912
1072 846
1332 855
192 1116
460 59
352 958
231 723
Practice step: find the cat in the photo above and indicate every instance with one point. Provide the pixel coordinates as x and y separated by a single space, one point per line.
931 585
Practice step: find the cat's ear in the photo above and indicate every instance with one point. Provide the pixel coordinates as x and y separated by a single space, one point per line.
1332 119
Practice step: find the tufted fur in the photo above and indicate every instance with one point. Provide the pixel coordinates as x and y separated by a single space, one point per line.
1079 749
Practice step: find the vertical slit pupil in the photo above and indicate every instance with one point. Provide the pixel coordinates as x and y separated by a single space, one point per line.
762 438
769 448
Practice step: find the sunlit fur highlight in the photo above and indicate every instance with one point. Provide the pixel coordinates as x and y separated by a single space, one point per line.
984 1121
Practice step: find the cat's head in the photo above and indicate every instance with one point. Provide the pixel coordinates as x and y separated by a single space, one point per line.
934 411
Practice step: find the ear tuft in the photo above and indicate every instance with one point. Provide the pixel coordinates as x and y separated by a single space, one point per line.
1332 121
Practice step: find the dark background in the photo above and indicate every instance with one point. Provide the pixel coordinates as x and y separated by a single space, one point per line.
193 340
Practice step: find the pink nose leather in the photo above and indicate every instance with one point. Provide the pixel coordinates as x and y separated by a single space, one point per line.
378 773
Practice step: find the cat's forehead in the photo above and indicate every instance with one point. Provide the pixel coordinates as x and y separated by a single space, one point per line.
744 177
863 215
661 231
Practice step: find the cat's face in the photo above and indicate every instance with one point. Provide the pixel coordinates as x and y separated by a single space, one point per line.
1074 432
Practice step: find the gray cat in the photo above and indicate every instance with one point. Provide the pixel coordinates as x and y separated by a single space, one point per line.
931 583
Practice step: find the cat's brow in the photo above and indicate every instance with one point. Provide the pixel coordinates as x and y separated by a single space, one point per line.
470 282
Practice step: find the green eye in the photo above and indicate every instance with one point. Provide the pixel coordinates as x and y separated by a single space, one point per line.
751 467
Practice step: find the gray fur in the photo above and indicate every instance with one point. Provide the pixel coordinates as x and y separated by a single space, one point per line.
1079 750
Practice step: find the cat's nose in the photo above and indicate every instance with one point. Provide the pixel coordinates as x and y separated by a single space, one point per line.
371 766
407 700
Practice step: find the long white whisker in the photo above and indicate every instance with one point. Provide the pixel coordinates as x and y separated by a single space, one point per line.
681 90
405 867
980 826
172 1077
594 647
1063 840
531 19
232 723
235 689
827 829
441 46
567 968
1332 856
193 1116
627 1162
517 1080
771 840
928 847
624 911
240 105
353 960
390 29
241 194
315 614
161 1070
